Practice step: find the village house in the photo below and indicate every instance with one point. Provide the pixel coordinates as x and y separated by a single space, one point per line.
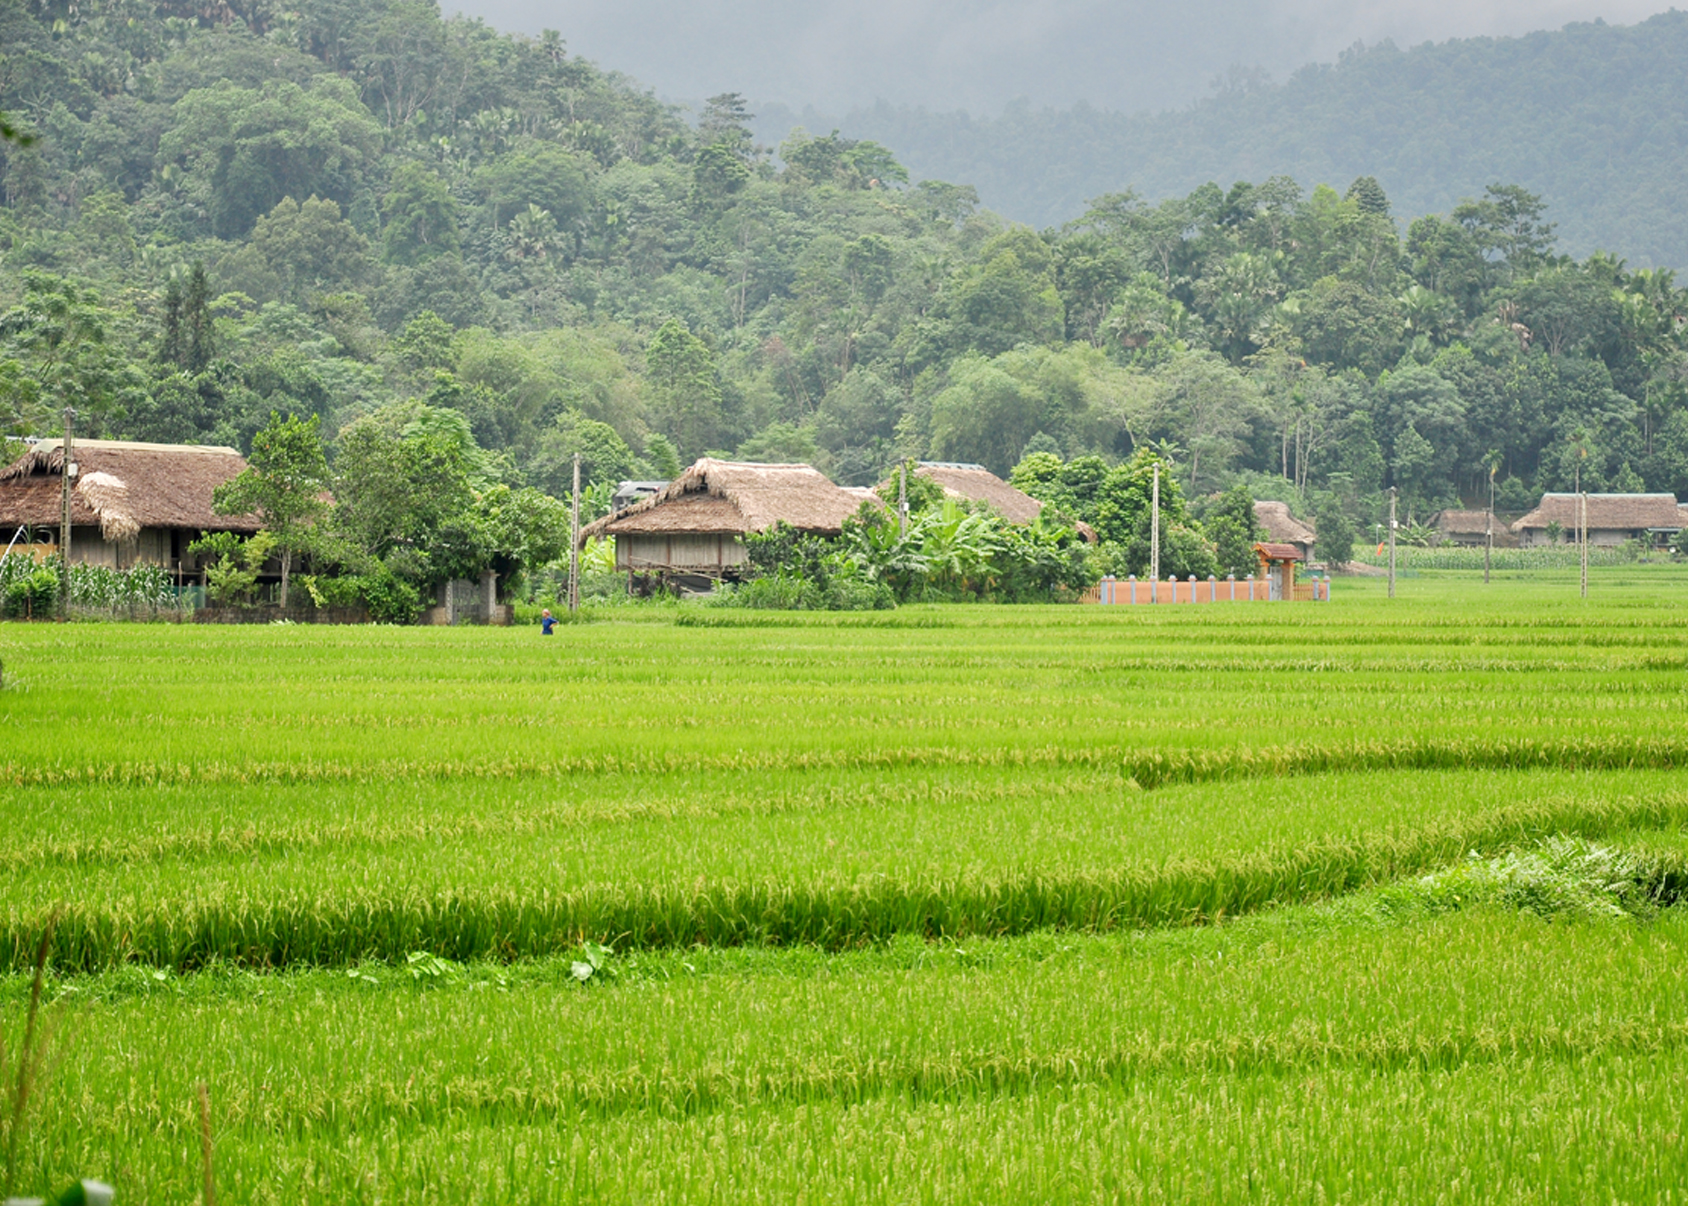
131 504
1652 519
691 532
1282 528
967 482
1470 529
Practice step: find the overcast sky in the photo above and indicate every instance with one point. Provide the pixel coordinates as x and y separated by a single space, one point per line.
979 54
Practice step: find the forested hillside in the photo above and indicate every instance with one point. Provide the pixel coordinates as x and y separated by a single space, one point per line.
402 224
1594 118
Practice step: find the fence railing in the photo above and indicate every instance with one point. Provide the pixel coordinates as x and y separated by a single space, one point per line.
1230 589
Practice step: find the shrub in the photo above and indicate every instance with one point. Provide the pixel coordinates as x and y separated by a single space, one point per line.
390 599
32 596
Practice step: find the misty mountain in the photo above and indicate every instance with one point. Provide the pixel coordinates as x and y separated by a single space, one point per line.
978 55
1593 117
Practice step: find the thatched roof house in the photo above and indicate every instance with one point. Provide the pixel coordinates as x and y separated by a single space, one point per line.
130 503
1612 519
1470 529
975 483
966 482
695 525
1282 528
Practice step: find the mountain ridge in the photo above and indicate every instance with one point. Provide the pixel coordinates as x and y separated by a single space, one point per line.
1594 117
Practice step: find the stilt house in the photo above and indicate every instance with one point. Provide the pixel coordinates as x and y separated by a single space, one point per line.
131 504
692 530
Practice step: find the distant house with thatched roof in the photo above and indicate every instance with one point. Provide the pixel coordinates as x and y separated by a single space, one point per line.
694 527
131 503
1612 519
967 482
974 483
1282 528
1470 529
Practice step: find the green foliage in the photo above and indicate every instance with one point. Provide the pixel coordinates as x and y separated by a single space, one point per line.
923 893
408 208
686 388
243 151
420 217
390 599
282 485
55 352
296 252
605 458
1231 525
232 576
139 592
31 596
1563 877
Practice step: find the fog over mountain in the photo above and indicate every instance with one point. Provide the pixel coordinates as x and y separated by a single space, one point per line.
978 55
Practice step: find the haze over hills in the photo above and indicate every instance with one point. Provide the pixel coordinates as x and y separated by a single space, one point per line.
978 55
1594 116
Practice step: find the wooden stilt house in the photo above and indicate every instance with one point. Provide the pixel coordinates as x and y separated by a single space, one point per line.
692 531
131 504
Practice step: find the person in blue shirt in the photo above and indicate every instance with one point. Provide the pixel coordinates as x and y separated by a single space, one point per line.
547 622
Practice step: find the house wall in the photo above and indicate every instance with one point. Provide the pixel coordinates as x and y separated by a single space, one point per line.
1532 538
154 546
704 553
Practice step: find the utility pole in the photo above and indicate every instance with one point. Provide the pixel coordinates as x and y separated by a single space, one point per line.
1489 535
574 540
902 501
1154 528
1393 493
69 479
1582 522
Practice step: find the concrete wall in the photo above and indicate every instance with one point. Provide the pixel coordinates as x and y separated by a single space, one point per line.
1135 591
460 601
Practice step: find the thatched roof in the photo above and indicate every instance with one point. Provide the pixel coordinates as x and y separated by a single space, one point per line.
1282 527
1465 523
735 497
975 483
1606 512
122 487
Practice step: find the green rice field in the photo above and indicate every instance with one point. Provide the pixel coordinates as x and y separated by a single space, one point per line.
1367 901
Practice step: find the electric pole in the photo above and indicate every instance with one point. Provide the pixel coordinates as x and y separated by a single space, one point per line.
574 540
1392 526
67 453
1489 534
1154 528
902 501
1582 522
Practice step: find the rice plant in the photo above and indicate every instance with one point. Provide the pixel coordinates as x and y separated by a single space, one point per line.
1373 901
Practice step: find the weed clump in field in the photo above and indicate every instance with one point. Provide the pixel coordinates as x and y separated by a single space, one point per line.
1562 877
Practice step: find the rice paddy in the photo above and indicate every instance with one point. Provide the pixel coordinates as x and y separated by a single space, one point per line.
1373 901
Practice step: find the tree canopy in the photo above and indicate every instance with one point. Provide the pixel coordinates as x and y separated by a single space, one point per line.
470 256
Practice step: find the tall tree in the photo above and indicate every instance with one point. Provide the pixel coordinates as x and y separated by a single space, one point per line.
687 389
282 485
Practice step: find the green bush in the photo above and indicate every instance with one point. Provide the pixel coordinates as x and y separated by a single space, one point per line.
345 591
32 596
789 592
390 599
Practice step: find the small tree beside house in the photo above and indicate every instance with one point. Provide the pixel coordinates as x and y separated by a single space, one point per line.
282 485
